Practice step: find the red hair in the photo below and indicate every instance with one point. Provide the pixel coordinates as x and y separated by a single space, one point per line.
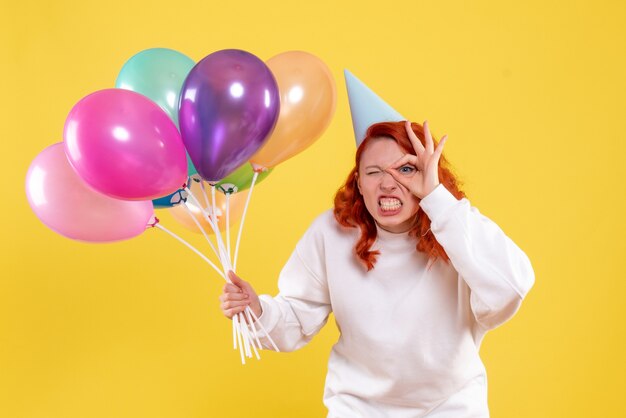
350 210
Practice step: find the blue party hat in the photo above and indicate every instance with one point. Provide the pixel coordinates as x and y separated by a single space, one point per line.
366 107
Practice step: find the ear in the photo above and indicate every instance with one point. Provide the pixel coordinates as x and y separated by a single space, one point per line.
358 184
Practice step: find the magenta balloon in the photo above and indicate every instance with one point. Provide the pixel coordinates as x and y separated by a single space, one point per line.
62 201
123 145
229 105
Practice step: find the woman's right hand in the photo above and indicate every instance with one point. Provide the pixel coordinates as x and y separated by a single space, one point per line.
237 296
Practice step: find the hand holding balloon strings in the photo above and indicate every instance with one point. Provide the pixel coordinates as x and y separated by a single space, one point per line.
167 117
241 334
143 73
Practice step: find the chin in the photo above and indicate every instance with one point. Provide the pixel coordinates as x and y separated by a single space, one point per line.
405 222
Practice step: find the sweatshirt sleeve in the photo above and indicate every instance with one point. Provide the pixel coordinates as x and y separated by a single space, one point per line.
301 308
497 271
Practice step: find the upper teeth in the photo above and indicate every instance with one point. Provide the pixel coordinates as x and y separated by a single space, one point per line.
390 203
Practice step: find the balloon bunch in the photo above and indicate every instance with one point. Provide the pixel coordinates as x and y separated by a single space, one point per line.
171 129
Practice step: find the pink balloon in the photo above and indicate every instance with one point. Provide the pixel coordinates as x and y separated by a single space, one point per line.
62 201
123 145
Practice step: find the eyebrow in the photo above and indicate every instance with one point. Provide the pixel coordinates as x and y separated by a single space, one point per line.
373 166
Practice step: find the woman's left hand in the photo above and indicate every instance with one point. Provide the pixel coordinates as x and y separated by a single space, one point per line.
425 177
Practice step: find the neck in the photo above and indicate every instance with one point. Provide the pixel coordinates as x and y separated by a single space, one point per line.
394 241
398 229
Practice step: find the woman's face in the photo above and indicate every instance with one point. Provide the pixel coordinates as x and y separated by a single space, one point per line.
393 206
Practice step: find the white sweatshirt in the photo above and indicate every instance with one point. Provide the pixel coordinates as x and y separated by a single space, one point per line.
409 336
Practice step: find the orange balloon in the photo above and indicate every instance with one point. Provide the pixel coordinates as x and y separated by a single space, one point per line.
308 98
236 202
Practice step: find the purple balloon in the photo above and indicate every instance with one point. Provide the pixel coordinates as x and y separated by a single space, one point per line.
229 105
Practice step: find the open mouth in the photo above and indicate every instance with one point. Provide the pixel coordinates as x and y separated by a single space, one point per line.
389 204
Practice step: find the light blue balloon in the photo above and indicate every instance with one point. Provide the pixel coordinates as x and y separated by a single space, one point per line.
159 74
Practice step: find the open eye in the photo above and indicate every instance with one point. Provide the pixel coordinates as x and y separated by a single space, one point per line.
406 169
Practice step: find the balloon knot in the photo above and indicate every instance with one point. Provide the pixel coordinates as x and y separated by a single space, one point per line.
258 168
154 223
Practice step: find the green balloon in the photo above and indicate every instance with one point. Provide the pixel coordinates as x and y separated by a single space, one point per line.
241 179
159 74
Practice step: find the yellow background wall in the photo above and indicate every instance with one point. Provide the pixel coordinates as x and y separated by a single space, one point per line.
531 94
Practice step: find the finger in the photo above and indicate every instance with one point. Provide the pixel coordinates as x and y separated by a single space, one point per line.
439 149
237 281
428 137
242 284
236 296
417 145
405 159
405 182
231 288
234 304
233 296
229 313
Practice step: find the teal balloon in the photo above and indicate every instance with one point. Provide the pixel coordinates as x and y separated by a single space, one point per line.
241 179
159 74
191 169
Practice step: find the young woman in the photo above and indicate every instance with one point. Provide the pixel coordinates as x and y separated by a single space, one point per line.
414 275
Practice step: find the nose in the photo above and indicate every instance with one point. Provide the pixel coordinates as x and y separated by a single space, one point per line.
388 182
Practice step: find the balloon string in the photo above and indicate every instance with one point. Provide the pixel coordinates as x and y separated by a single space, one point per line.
206 199
185 205
251 322
213 205
239 318
248 338
234 335
239 338
217 220
251 341
228 224
161 227
250 333
244 335
243 217
256 321
223 258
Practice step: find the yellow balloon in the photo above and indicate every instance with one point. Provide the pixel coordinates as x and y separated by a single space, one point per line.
236 203
308 98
